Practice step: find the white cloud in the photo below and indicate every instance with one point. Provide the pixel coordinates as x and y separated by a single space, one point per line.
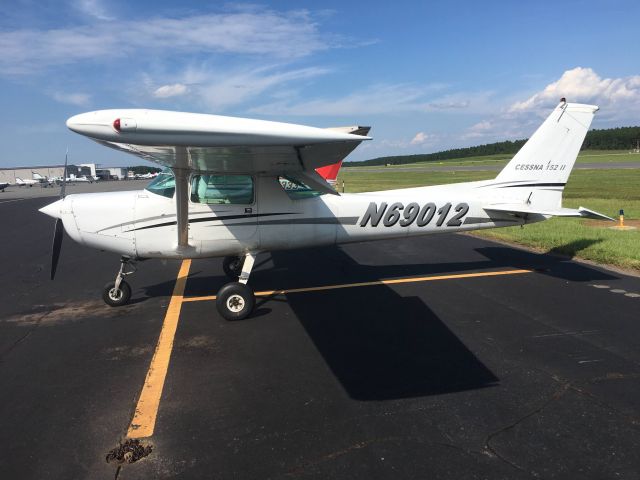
370 100
220 89
618 99
93 8
174 90
268 33
78 99
479 130
584 85
419 139
482 126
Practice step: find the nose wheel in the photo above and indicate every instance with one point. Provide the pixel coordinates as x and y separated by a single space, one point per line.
236 300
116 296
118 292
232 266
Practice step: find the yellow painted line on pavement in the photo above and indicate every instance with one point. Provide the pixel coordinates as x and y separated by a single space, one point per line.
144 418
392 281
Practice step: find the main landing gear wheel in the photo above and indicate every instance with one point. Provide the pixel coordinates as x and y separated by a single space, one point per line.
116 297
235 301
232 266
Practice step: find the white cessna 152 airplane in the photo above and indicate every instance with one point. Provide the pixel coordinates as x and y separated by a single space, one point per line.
237 187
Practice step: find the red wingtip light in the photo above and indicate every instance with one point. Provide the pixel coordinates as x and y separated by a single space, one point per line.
116 124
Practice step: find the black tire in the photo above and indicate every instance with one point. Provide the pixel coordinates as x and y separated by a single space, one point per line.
235 301
232 266
116 298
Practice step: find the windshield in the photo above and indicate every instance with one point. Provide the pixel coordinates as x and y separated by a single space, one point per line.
164 184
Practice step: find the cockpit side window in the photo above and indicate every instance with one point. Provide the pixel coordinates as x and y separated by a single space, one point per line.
222 189
297 190
164 184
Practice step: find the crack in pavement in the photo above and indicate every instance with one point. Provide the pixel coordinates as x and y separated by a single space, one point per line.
32 329
333 455
565 387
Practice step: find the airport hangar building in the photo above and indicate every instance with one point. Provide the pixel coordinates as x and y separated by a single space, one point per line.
9 174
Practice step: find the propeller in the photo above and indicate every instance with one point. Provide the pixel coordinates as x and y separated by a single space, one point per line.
58 228
55 248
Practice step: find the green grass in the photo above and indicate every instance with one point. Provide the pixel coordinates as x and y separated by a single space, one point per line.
605 191
607 156
365 181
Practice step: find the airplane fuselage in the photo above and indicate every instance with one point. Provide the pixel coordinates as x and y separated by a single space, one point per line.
142 224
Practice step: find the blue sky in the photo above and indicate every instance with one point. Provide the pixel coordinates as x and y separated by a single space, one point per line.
426 76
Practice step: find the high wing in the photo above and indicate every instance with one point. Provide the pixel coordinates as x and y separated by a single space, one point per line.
213 143
216 143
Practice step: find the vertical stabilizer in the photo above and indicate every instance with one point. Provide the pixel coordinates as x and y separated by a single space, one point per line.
549 155
540 170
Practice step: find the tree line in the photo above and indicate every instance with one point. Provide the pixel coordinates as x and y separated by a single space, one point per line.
621 138
143 169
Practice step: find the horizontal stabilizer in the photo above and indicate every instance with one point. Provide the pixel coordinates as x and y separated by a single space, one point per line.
520 210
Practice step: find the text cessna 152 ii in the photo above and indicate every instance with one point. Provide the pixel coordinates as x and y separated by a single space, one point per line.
236 187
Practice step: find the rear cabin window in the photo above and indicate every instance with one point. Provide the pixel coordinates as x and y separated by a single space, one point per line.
164 184
297 190
222 189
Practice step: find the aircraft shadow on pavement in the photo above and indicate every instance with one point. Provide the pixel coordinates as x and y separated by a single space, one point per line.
379 344
383 346
551 263
162 289
343 269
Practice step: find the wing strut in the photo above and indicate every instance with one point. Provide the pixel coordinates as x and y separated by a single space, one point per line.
181 173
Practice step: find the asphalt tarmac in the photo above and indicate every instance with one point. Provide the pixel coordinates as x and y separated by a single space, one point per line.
483 361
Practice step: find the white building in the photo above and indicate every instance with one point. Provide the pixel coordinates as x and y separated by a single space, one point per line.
112 173
9 175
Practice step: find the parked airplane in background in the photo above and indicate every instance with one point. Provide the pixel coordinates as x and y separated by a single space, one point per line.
145 176
81 179
43 181
26 182
3 185
237 187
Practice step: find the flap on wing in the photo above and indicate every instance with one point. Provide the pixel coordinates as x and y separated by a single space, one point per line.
520 210
277 160
314 180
